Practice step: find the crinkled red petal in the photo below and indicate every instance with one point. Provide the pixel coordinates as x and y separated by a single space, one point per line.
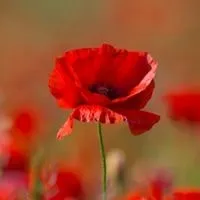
138 121
90 114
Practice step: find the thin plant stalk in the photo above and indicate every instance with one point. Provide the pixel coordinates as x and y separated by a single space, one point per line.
103 159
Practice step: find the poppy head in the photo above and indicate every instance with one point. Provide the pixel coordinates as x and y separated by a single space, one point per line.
105 84
184 106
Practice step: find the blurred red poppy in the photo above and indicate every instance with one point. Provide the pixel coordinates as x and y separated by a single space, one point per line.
138 196
14 177
63 183
10 191
186 195
15 159
160 183
157 190
105 84
183 105
25 121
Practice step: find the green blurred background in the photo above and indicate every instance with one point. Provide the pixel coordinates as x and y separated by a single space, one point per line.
33 33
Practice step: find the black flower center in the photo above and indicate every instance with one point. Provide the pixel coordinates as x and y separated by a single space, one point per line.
102 89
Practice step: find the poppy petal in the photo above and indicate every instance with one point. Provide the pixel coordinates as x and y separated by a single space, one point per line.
142 122
183 105
80 60
90 114
63 86
148 78
132 72
128 69
136 102
188 195
139 121
66 129
85 61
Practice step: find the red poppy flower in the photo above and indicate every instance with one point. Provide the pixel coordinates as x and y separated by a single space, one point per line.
160 183
138 196
186 195
184 105
105 84
10 191
15 159
14 177
63 184
25 121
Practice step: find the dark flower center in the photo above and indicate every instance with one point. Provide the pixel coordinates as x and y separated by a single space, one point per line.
109 92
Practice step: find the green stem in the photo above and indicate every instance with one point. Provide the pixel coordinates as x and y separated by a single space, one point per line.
103 158
37 193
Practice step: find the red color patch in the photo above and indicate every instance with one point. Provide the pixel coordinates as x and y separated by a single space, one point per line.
183 105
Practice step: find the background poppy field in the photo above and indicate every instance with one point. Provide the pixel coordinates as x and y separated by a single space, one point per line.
34 33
